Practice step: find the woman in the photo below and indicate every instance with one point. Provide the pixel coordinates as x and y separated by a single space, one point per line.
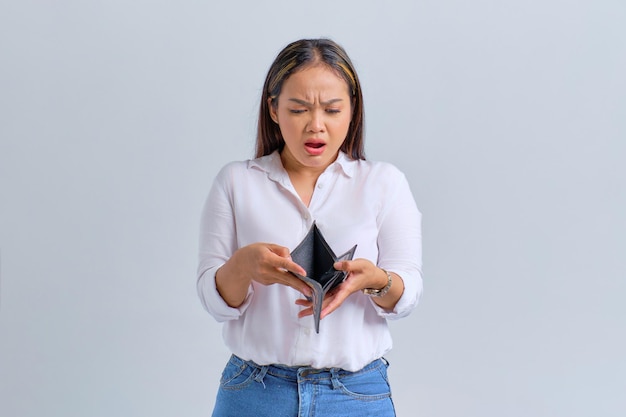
309 169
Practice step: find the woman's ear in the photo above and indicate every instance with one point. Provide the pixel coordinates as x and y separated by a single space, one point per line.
272 107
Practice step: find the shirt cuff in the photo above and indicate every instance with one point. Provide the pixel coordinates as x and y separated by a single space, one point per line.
213 301
408 300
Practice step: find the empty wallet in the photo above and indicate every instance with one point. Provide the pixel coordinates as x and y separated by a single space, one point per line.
317 258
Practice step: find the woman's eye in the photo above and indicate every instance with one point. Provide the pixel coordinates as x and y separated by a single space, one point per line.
297 111
333 111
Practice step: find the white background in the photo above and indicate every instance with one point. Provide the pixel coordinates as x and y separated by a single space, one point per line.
508 118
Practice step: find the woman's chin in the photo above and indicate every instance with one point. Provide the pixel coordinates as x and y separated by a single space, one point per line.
318 160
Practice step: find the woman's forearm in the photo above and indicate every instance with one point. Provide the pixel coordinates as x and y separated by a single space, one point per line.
232 287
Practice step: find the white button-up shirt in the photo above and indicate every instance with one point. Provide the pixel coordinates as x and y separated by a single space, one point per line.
355 202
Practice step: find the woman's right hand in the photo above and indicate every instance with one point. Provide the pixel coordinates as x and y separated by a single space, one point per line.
265 263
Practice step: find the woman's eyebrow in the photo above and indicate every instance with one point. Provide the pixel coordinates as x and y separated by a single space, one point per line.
323 103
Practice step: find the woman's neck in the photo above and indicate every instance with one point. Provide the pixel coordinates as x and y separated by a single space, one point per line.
302 177
296 169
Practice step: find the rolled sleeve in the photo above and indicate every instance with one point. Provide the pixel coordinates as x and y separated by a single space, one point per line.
400 246
217 244
213 301
409 299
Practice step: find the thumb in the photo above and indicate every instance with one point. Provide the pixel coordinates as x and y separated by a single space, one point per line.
281 251
284 253
342 265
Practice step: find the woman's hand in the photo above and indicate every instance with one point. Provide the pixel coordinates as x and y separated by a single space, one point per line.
265 263
361 274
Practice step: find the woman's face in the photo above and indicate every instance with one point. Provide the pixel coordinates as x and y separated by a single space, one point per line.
313 112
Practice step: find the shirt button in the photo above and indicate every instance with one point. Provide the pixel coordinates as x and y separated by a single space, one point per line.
306 216
320 185
307 332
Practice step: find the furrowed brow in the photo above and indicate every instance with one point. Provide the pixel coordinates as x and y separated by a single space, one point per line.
307 104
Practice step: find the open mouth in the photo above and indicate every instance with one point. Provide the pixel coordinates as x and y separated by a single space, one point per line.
314 147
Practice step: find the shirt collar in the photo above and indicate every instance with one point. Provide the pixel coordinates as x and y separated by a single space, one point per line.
273 166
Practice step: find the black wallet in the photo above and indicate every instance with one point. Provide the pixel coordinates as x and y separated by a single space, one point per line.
317 258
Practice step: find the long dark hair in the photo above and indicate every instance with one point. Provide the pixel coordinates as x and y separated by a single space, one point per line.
297 56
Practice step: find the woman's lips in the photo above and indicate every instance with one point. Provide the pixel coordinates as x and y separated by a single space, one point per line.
314 147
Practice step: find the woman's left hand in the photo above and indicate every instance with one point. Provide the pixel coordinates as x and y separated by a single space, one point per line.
361 274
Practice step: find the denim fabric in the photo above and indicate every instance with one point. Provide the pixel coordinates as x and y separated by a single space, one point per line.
248 389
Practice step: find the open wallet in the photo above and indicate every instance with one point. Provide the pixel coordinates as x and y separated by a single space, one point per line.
317 258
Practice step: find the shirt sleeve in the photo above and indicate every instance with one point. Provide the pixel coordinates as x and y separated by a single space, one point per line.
217 243
400 245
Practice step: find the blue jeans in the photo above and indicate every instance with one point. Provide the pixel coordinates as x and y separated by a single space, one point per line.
248 389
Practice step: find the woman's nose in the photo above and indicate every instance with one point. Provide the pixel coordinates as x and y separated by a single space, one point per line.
316 124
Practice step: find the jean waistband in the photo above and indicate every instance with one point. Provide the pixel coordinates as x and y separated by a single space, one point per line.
295 372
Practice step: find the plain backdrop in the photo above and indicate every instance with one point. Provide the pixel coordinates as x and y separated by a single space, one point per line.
508 118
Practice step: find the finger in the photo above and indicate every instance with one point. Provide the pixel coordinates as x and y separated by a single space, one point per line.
297 284
308 310
342 265
284 259
334 301
328 298
305 312
290 265
304 302
281 251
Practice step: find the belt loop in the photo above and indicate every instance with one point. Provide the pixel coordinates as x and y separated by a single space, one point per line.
334 378
261 374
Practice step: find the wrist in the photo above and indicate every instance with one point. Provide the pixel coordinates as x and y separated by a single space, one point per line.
382 291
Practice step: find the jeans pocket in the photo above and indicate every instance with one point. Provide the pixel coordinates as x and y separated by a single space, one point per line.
237 376
370 386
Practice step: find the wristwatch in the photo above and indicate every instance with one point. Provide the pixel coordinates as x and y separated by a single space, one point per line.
379 292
